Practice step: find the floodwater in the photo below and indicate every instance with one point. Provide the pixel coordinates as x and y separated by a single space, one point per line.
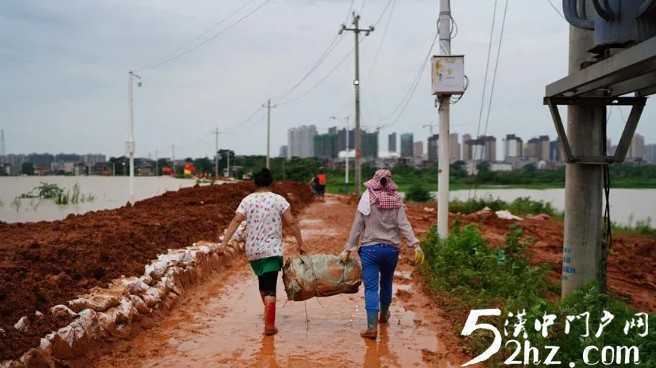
220 323
108 192
627 206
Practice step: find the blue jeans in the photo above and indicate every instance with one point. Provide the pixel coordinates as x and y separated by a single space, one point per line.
378 264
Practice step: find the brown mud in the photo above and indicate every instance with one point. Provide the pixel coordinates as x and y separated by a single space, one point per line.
48 263
219 324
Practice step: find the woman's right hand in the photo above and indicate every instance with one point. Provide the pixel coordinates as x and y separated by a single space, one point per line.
345 255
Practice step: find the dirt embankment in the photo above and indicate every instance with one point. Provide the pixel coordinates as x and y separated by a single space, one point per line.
631 273
48 263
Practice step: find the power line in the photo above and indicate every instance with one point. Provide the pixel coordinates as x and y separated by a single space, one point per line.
496 66
555 8
207 40
487 68
322 58
413 87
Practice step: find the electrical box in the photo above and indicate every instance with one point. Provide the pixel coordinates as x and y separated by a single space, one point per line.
448 75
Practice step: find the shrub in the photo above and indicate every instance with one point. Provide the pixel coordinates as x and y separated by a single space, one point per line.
418 193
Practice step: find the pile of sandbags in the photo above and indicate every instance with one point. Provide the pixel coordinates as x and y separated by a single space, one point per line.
320 275
110 311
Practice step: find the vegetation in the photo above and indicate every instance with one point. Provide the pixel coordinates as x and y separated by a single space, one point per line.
476 276
641 227
520 206
418 193
55 193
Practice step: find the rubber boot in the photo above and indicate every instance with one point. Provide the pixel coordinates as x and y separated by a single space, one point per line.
270 315
262 297
384 313
372 326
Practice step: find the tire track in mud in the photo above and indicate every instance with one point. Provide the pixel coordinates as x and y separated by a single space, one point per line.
219 324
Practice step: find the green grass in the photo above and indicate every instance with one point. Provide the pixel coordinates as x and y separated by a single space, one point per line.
476 276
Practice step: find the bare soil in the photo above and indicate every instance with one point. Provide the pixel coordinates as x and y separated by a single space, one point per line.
48 263
219 324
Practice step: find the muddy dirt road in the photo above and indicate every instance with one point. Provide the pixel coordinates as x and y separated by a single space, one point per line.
219 324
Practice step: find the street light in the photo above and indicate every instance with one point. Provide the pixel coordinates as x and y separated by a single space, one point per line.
346 159
131 144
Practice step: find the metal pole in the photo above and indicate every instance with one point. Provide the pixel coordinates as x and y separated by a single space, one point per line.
131 136
444 116
228 152
156 163
356 85
348 151
216 153
268 165
583 183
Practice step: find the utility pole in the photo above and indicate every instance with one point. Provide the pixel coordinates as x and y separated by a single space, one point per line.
131 143
216 153
268 149
173 159
356 84
583 183
444 102
156 163
2 144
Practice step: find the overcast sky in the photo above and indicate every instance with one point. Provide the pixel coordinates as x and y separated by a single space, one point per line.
63 71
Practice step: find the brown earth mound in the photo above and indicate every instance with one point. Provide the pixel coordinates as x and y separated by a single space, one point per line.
48 263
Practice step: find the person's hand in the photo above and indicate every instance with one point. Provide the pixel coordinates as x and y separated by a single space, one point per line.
419 255
301 250
345 255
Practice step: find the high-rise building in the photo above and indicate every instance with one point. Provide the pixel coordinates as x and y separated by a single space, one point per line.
418 150
650 153
407 142
454 148
512 147
283 152
637 148
325 145
467 148
391 142
300 141
433 147
538 148
489 144
555 154
370 145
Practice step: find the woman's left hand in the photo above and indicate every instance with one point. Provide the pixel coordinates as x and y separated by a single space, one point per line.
419 254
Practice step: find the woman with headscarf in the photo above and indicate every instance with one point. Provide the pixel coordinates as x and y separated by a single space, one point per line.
379 223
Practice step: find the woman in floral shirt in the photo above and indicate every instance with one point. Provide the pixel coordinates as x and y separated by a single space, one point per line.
264 213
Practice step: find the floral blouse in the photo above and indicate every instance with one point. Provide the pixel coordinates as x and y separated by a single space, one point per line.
263 212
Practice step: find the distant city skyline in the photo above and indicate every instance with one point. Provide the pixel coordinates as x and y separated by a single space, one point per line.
64 70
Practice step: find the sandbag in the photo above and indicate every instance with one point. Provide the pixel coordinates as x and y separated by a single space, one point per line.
320 275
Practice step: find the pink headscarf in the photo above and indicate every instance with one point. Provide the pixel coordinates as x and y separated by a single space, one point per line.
383 197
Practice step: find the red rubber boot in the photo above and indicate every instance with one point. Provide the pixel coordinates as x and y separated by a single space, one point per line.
270 315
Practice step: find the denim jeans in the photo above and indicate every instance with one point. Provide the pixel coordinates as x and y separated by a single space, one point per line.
378 264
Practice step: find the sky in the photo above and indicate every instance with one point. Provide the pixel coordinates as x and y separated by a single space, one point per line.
64 71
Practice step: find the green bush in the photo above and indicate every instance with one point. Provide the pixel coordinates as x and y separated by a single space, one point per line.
477 276
418 193
520 206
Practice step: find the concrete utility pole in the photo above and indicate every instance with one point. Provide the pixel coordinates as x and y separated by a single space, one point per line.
583 183
156 163
443 143
268 149
216 153
356 84
131 143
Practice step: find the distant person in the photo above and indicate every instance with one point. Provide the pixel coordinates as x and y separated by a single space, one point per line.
264 213
380 220
318 184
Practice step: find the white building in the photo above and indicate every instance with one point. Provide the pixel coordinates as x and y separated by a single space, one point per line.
512 147
637 148
300 141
